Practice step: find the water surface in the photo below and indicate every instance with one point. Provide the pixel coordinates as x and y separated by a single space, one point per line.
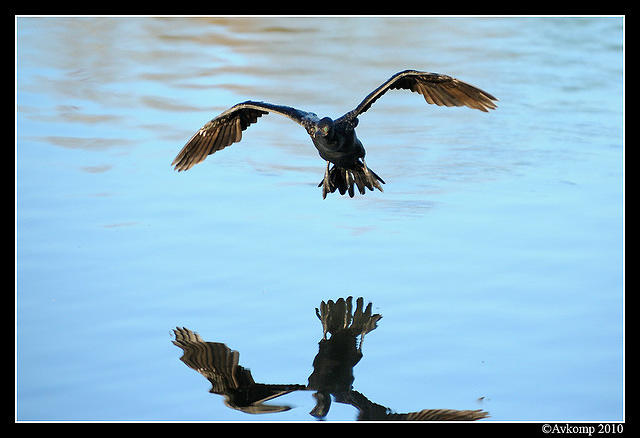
494 255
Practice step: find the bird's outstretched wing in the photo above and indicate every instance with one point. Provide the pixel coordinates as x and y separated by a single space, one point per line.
436 88
227 128
219 364
441 415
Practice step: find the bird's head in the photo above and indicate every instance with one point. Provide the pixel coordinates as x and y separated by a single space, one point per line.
325 127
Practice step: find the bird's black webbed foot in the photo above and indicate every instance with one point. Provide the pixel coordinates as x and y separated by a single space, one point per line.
326 188
345 180
371 177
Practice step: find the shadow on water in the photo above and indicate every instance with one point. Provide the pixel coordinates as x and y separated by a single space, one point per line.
339 350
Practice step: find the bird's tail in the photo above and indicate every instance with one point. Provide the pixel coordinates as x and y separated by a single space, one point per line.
340 316
344 179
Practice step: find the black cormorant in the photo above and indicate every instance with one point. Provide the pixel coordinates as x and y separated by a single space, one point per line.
335 140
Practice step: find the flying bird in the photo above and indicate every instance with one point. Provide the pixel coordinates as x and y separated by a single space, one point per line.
335 140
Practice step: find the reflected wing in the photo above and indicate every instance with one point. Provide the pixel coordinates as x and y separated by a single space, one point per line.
215 361
227 129
219 364
436 88
446 415
371 411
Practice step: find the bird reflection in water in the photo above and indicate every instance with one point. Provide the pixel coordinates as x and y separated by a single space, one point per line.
339 350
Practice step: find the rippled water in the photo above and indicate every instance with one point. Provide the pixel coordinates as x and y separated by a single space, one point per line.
494 255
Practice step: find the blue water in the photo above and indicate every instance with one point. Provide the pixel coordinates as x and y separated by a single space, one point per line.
495 253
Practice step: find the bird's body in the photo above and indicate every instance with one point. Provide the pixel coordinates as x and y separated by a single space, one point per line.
340 145
335 140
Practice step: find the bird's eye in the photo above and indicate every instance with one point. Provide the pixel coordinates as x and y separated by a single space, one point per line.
325 129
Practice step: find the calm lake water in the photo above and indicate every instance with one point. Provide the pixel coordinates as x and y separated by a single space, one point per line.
494 255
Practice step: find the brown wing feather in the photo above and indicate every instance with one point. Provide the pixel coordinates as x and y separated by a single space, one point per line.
436 89
227 128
